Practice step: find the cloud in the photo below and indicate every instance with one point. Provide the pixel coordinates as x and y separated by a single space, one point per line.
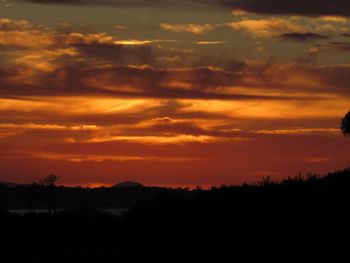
48 127
269 27
143 81
329 28
117 54
86 157
265 27
292 28
72 63
239 12
189 28
43 49
292 7
153 133
275 7
24 34
341 46
25 39
210 42
254 27
332 46
146 81
303 36
119 27
337 19
300 131
10 25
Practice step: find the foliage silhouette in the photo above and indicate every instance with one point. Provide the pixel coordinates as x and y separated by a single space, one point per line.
345 124
49 180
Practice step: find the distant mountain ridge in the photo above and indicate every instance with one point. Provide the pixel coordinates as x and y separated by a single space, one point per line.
128 184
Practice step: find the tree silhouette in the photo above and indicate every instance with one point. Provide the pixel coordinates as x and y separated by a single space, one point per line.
50 183
345 124
49 180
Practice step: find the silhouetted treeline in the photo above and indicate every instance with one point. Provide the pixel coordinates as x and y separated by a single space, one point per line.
36 196
296 220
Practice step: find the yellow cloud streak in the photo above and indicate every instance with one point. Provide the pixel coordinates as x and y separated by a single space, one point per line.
34 126
30 39
78 105
299 131
272 109
95 158
210 42
172 139
266 27
188 28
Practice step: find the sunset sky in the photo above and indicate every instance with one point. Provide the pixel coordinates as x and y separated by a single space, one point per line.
175 93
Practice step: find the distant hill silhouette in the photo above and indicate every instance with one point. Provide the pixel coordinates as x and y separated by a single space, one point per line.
128 184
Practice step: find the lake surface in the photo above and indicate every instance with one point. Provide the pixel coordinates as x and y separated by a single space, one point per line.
109 211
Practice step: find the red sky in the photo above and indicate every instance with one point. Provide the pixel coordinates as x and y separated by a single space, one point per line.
100 92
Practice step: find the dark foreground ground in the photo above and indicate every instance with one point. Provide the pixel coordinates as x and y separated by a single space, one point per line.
297 220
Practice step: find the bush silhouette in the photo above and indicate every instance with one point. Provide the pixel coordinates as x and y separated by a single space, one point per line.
345 124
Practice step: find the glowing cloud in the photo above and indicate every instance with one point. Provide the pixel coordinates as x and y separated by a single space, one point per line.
188 28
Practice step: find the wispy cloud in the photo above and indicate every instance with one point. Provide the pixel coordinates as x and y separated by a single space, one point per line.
211 42
300 131
189 28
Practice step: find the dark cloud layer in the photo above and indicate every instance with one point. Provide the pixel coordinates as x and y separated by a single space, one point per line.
117 54
342 46
193 83
131 81
333 47
303 37
287 7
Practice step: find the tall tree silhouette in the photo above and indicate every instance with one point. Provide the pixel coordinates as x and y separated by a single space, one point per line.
50 183
345 124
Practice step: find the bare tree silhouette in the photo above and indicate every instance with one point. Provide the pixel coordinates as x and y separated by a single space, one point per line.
50 183
345 124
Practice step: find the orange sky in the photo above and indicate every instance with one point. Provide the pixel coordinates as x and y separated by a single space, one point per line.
100 92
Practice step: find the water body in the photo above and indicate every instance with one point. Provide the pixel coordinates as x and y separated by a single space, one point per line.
109 211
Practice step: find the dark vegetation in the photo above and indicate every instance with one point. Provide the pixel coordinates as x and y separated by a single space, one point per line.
295 220
345 124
